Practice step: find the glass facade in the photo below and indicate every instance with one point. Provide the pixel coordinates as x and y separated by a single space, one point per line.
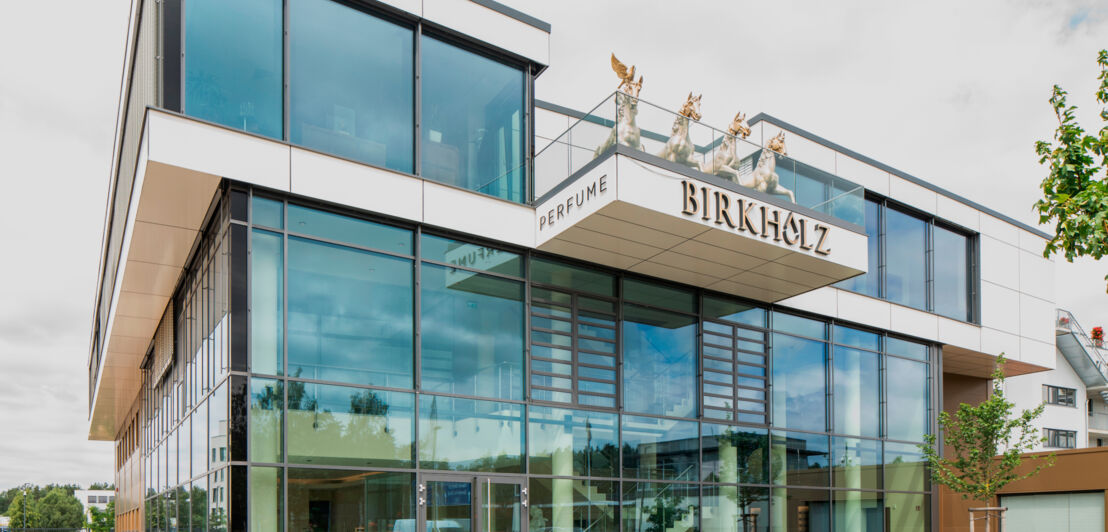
346 80
390 378
917 261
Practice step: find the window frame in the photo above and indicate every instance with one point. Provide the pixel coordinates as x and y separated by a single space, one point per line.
1057 395
1055 438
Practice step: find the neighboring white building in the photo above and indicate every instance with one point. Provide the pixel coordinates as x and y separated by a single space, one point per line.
1075 415
98 499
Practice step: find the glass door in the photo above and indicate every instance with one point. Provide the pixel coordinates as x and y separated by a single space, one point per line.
469 503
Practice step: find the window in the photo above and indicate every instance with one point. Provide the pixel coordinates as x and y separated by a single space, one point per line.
917 261
339 425
659 362
351 85
573 348
1062 439
733 360
1055 395
799 383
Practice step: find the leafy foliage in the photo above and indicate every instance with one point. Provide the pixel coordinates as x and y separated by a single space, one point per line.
102 520
977 434
24 511
1075 193
58 509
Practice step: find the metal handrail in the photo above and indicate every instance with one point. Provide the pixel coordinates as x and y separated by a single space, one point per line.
1066 321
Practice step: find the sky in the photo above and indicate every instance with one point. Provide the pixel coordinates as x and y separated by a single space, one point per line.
954 93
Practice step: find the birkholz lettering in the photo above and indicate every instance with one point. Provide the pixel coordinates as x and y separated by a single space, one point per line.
744 215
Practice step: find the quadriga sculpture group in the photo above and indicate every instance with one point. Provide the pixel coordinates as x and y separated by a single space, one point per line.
680 149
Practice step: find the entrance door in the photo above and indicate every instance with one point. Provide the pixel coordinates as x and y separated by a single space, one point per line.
472 503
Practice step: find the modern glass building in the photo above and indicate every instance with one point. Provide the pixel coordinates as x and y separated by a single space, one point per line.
356 277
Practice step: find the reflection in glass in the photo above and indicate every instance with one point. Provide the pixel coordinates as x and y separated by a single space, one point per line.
470 435
806 458
350 84
472 333
356 231
266 402
868 283
658 295
855 463
473 256
908 512
266 293
904 348
449 507
350 315
500 506
566 442
859 511
735 509
565 504
199 420
857 392
339 425
856 338
659 449
907 399
265 499
233 75
905 468
198 509
799 326
799 388
905 259
218 501
472 139
324 499
551 272
653 506
735 454
734 311
951 273
659 362
797 509
267 212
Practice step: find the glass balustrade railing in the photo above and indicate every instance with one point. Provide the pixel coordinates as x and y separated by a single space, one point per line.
655 131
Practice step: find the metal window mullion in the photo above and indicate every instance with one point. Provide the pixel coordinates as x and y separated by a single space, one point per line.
286 97
417 331
417 100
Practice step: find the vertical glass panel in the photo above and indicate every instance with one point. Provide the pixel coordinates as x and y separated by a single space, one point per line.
859 511
217 426
565 504
857 338
217 501
659 295
355 231
199 509
546 271
338 425
735 454
169 502
267 212
869 282
906 400
659 449
351 84
266 312
725 309
855 463
470 435
904 348
449 507
472 339
566 442
654 506
952 273
350 315
265 499
200 439
473 256
905 259
857 392
797 325
325 499
473 138
500 506
234 63
266 400
796 509
905 468
799 387
184 508
911 512
735 509
172 459
805 457
659 362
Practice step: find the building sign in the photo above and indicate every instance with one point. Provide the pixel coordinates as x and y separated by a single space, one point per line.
744 215
576 201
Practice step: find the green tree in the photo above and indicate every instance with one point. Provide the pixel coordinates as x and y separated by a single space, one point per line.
58 509
24 511
102 520
101 486
986 444
1075 192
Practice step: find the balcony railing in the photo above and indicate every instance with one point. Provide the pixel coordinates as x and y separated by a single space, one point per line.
647 128
1066 323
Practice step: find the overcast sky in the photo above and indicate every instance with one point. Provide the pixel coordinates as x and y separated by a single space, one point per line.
952 92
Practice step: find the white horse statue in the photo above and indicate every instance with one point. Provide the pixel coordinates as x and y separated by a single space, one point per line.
679 148
625 131
725 162
764 177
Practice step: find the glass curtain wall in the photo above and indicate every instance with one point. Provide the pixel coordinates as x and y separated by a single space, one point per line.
351 78
380 353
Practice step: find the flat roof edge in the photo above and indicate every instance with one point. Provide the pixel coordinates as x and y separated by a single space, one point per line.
514 13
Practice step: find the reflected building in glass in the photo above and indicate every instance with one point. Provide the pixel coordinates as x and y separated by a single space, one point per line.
356 277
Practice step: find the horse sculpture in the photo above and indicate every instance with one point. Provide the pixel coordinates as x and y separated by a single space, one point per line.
764 176
725 162
679 148
625 131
